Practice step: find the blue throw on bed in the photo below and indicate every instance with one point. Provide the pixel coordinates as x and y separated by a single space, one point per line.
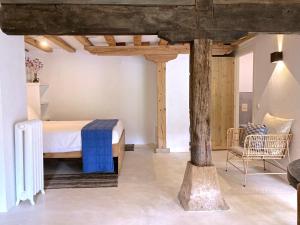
96 140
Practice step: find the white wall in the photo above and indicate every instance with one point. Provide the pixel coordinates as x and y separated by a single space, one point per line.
177 91
277 86
12 110
246 72
85 86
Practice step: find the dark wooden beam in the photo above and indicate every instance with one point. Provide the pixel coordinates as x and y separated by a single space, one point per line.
219 22
200 71
104 2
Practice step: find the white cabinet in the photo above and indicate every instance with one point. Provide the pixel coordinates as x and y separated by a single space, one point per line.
37 105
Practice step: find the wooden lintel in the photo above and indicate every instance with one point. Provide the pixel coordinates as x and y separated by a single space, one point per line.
137 40
35 43
110 40
83 40
139 50
160 58
60 42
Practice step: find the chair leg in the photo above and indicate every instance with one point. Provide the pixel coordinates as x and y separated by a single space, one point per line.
264 165
245 162
227 161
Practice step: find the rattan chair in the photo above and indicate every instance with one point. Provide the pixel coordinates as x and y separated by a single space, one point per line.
267 148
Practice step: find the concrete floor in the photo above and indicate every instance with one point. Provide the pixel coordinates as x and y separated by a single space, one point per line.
147 194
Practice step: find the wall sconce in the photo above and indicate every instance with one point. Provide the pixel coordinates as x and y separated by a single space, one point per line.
276 57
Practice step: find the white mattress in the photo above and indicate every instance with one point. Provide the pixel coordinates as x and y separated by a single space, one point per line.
65 136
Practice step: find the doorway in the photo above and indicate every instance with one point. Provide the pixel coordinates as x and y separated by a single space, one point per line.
245 89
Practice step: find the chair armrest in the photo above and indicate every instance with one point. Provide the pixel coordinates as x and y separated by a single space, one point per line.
233 136
269 144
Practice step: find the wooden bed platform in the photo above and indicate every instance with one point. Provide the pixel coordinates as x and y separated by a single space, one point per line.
118 151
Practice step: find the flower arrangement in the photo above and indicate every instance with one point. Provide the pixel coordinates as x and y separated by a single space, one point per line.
34 66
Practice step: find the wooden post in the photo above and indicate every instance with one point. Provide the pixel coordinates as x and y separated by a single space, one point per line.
200 189
200 143
161 125
161 105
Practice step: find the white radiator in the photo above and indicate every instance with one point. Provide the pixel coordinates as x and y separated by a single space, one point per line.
29 160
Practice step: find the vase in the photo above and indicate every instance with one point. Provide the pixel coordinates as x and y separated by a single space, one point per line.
35 78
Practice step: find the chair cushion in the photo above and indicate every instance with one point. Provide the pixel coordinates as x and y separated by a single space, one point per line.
277 125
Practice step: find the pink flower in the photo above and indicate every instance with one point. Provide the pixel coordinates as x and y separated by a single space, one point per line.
33 65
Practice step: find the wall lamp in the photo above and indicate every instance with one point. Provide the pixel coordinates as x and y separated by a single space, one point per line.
276 57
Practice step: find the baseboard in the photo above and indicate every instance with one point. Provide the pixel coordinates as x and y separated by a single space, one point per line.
162 150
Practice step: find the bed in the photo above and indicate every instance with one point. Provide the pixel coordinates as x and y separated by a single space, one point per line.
62 139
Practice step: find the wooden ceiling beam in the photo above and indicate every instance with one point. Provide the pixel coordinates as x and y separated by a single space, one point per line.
139 50
217 50
61 43
137 40
83 40
110 40
179 26
145 2
162 42
104 2
35 43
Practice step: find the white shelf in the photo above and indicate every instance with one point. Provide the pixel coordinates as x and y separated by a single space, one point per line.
44 85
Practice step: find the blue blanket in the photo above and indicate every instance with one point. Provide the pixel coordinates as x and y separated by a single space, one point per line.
97 153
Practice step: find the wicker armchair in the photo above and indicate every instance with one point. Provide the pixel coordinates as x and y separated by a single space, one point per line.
268 148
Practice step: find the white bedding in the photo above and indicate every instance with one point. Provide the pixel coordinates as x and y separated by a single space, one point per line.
65 136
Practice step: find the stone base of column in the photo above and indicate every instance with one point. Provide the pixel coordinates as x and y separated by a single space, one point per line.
200 190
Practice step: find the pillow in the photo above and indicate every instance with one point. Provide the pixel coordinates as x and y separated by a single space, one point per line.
254 129
277 125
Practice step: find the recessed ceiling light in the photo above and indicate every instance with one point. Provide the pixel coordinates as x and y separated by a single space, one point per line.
44 43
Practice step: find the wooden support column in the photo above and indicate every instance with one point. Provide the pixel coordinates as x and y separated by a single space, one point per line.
161 106
200 70
161 125
200 189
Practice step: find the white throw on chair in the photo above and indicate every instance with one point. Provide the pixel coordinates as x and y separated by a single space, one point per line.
29 160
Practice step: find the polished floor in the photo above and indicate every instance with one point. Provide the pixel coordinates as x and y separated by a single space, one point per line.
147 195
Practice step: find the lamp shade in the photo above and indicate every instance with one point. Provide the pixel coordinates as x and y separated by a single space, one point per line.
276 57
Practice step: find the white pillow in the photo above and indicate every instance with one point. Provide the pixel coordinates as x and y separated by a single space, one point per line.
32 115
277 125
